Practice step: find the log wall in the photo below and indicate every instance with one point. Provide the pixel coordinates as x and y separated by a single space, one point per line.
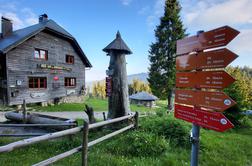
21 65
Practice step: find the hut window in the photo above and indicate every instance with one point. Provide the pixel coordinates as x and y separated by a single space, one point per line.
37 82
69 59
40 54
70 82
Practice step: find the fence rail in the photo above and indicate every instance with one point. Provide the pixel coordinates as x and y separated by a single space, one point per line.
85 145
37 125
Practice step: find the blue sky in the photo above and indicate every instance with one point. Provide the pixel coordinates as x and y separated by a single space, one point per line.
94 24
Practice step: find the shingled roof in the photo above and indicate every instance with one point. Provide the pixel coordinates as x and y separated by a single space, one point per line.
118 44
143 96
19 36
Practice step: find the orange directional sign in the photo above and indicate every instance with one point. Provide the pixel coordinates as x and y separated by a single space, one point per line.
205 60
214 101
211 120
204 79
214 38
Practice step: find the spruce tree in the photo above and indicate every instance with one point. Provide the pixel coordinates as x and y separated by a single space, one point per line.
162 53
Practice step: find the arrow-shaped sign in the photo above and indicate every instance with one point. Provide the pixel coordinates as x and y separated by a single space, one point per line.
211 39
211 120
204 79
205 60
215 101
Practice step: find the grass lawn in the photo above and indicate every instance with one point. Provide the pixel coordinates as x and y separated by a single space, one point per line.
98 105
232 148
143 147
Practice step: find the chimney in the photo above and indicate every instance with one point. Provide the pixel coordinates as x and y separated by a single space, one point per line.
43 18
6 27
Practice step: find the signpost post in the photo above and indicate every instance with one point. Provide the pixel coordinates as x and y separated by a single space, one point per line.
198 105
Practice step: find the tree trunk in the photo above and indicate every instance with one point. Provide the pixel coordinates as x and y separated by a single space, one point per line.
119 99
169 100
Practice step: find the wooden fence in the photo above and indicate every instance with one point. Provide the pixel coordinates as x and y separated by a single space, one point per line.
133 123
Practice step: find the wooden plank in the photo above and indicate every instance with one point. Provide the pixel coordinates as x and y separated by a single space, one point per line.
211 120
215 101
206 40
99 124
205 60
26 142
204 79
36 125
78 149
21 64
29 141
85 144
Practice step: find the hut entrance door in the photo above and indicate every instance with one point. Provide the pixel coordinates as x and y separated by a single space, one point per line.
3 80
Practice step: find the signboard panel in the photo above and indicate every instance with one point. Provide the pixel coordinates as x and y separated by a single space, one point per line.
211 39
215 101
211 120
108 86
205 60
204 79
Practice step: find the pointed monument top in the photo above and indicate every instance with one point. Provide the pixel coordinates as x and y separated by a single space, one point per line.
118 45
118 35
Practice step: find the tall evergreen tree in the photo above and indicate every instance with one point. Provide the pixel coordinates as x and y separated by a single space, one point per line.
162 53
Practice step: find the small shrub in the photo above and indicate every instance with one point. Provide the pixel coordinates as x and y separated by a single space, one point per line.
138 144
174 130
235 116
160 112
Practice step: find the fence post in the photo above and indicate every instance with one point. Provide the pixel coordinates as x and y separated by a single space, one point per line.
104 116
136 120
85 143
24 112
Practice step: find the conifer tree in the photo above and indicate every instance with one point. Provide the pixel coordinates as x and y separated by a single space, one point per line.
162 53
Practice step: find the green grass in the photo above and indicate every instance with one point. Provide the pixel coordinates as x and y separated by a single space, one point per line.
99 105
231 148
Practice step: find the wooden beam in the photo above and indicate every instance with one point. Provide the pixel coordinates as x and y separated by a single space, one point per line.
110 135
136 117
22 135
25 142
79 148
85 143
36 125
58 157
99 124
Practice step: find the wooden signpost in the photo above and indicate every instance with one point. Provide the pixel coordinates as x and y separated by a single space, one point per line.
213 101
205 60
108 86
211 39
199 103
211 120
204 79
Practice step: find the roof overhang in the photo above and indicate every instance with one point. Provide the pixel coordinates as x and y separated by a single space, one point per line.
46 29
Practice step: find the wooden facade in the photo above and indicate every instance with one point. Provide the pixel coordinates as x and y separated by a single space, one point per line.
19 65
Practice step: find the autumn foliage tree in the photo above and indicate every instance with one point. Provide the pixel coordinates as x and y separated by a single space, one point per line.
241 92
98 90
138 86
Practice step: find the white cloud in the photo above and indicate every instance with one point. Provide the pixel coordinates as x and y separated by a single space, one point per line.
210 14
30 17
207 14
144 10
157 12
241 44
95 75
126 2
21 17
17 22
